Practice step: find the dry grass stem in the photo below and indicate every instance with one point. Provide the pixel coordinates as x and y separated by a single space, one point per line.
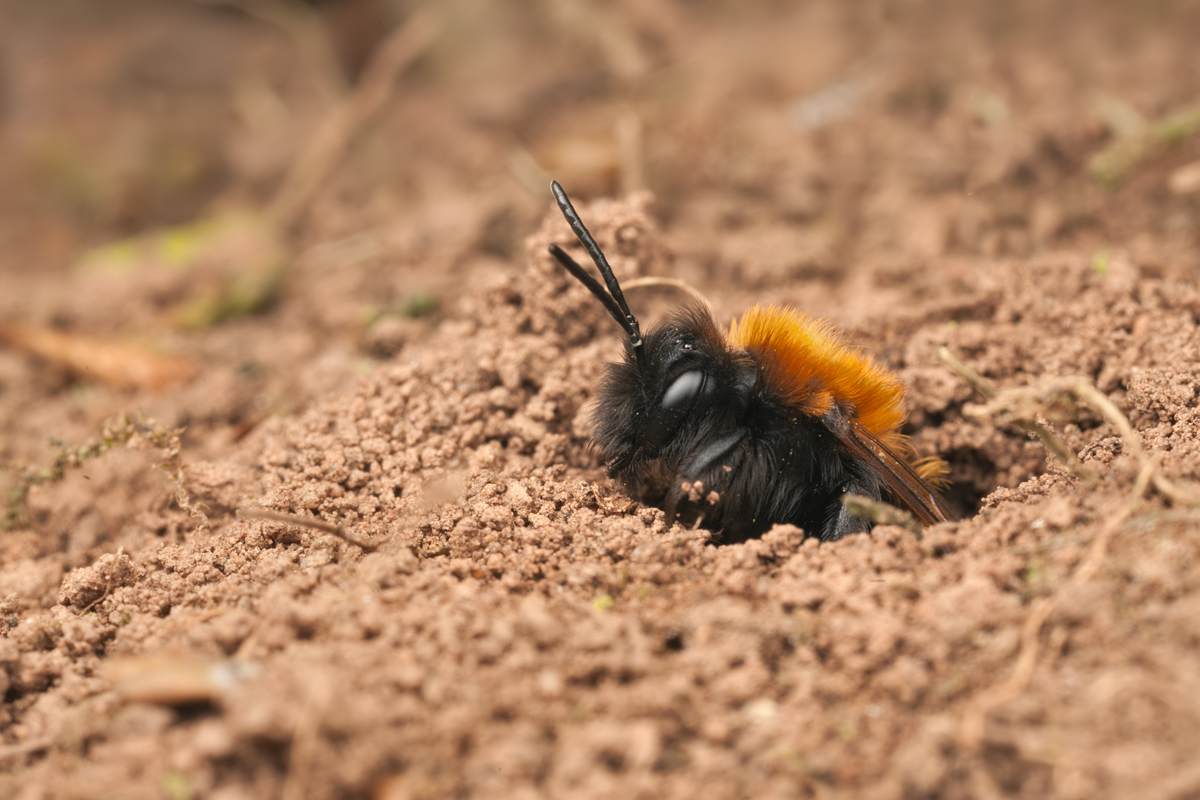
880 513
672 283
977 381
1018 407
107 583
309 522
325 149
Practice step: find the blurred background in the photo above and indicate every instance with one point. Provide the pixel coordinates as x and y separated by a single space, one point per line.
248 202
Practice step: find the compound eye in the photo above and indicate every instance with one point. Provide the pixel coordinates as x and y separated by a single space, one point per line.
677 401
682 390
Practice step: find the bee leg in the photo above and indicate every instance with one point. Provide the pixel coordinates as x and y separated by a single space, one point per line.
720 456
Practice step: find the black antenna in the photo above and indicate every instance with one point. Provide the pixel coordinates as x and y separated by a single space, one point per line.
593 285
613 299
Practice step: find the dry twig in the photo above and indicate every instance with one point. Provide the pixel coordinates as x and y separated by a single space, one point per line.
309 522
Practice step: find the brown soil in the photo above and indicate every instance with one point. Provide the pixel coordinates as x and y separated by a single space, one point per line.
508 624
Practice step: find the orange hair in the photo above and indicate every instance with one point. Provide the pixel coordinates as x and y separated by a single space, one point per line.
816 371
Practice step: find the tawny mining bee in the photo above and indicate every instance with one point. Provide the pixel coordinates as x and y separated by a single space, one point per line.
773 422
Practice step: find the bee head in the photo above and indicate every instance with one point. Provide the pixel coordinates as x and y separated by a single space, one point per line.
679 372
682 373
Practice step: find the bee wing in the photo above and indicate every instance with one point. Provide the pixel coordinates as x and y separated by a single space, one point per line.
913 492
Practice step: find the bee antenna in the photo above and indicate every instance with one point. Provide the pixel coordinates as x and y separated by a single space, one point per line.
613 299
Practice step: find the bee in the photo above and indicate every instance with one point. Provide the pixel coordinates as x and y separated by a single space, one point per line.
773 422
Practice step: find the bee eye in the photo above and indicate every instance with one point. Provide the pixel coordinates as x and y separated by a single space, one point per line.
682 389
677 401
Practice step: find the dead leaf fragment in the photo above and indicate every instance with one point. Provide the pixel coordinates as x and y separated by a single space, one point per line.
167 679
116 363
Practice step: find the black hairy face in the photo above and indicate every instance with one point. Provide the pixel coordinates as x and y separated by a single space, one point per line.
689 382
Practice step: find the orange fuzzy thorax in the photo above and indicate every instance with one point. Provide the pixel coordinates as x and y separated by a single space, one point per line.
815 370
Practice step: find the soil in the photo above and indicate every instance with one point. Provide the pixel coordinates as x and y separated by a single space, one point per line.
485 614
